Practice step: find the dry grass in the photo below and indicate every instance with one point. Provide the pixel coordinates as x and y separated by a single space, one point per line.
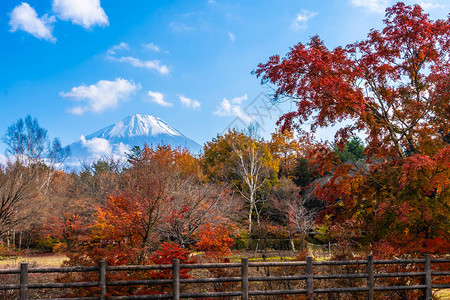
41 261
35 261
443 294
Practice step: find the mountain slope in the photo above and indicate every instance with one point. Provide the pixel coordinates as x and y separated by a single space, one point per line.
135 130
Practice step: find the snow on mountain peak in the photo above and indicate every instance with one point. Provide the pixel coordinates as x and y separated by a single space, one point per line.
138 125
136 130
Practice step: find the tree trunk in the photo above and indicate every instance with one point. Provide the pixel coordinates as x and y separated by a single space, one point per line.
291 240
250 212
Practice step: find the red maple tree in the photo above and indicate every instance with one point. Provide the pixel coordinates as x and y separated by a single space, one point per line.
395 87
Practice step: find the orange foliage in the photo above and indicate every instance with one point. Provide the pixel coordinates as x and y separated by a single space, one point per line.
215 240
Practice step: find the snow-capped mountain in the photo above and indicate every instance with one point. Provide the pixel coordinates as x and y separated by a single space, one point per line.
136 130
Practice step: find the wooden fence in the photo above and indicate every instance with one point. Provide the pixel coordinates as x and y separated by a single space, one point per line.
310 277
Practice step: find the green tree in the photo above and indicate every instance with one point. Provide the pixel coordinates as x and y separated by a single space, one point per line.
303 174
353 151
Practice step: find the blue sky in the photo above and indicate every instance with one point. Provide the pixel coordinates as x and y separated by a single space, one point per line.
81 65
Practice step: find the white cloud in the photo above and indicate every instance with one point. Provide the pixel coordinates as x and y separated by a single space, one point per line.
372 5
77 110
121 149
189 103
121 46
302 19
426 5
152 47
231 36
228 108
238 100
3 159
24 17
158 98
180 27
101 96
98 146
147 64
86 13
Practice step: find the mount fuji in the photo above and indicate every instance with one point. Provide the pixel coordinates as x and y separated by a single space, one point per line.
115 140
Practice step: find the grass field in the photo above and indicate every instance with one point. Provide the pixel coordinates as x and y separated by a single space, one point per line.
443 294
39 260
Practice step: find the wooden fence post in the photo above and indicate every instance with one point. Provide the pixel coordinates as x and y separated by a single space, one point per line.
370 278
24 281
176 279
309 280
429 290
244 278
102 278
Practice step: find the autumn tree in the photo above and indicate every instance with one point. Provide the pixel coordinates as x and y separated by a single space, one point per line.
293 211
134 213
244 162
100 179
285 147
67 213
216 240
192 206
159 187
393 87
282 196
33 160
18 185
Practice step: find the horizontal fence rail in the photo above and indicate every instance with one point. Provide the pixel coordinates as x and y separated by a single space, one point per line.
309 277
